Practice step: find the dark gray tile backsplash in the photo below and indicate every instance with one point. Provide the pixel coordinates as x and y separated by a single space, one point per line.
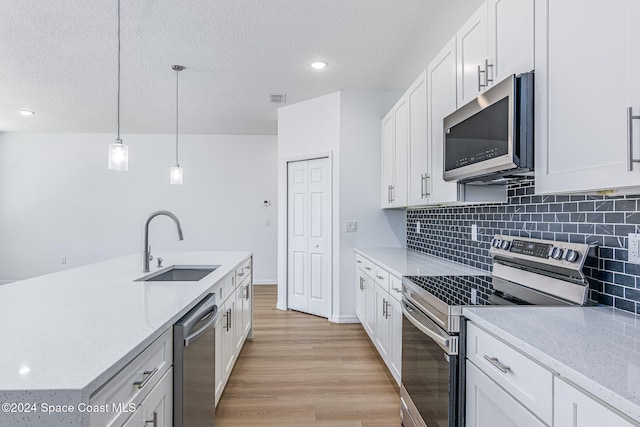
599 220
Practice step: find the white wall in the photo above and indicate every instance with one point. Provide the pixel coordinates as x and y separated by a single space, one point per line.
57 198
346 125
305 130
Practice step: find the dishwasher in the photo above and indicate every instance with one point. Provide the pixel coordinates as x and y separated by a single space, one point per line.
194 387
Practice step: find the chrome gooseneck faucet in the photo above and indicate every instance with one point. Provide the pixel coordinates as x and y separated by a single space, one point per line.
147 249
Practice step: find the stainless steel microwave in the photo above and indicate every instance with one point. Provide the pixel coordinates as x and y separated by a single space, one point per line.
491 137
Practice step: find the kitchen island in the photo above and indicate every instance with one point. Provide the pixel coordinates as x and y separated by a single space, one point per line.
66 334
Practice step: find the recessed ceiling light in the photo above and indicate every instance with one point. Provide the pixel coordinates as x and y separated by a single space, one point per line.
26 112
319 65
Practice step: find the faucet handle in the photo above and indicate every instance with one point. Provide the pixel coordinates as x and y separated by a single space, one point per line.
160 262
149 252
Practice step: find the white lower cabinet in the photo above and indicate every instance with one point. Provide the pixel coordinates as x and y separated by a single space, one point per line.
157 408
234 324
489 405
382 329
574 408
378 308
505 387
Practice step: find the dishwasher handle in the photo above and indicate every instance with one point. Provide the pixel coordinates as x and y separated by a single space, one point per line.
211 315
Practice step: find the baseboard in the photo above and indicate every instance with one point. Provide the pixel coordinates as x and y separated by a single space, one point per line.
265 282
345 318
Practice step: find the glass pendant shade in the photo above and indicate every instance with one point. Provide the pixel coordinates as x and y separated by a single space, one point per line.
118 156
176 175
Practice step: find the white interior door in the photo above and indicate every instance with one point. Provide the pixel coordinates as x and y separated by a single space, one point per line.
308 231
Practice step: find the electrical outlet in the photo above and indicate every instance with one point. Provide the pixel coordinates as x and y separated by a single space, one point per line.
351 226
418 227
474 296
474 232
634 248
63 259
267 223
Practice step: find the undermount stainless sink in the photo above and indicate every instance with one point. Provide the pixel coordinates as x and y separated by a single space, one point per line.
179 273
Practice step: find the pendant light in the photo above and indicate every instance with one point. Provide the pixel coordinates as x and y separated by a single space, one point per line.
177 173
118 152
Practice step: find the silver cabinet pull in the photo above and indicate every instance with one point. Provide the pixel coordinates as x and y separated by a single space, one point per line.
487 80
229 320
384 307
480 85
361 283
387 304
630 119
426 185
148 375
359 261
368 268
496 363
422 186
379 277
154 420
246 295
398 290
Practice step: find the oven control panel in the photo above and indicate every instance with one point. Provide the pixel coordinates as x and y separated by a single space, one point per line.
544 251
537 249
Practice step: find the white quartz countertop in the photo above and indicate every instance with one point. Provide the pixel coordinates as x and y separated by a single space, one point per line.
75 329
596 348
407 262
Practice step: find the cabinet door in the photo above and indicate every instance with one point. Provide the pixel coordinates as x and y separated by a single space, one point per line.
472 56
581 118
388 158
247 309
441 80
360 295
395 348
571 407
383 327
418 142
228 338
238 330
157 408
511 48
401 147
220 327
370 307
488 405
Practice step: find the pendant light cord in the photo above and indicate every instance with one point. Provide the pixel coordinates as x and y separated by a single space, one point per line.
118 114
177 73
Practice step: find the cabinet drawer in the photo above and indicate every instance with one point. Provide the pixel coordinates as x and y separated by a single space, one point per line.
226 288
395 287
524 379
365 265
360 261
243 272
133 383
381 277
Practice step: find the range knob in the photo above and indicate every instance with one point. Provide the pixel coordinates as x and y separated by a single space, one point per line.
556 252
571 255
505 244
495 242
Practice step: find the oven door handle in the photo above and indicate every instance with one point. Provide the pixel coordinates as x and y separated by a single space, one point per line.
427 327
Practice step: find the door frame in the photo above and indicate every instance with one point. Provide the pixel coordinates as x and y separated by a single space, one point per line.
283 281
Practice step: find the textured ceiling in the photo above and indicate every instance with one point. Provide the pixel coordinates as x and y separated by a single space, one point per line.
59 58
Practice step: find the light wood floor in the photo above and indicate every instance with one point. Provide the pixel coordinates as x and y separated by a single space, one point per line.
301 370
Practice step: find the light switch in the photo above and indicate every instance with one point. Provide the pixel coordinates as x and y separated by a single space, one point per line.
351 226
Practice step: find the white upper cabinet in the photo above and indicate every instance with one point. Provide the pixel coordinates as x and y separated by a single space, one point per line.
401 142
583 138
497 41
395 147
511 38
419 170
388 159
472 56
441 82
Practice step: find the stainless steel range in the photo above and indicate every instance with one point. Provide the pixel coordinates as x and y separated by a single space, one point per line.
525 272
